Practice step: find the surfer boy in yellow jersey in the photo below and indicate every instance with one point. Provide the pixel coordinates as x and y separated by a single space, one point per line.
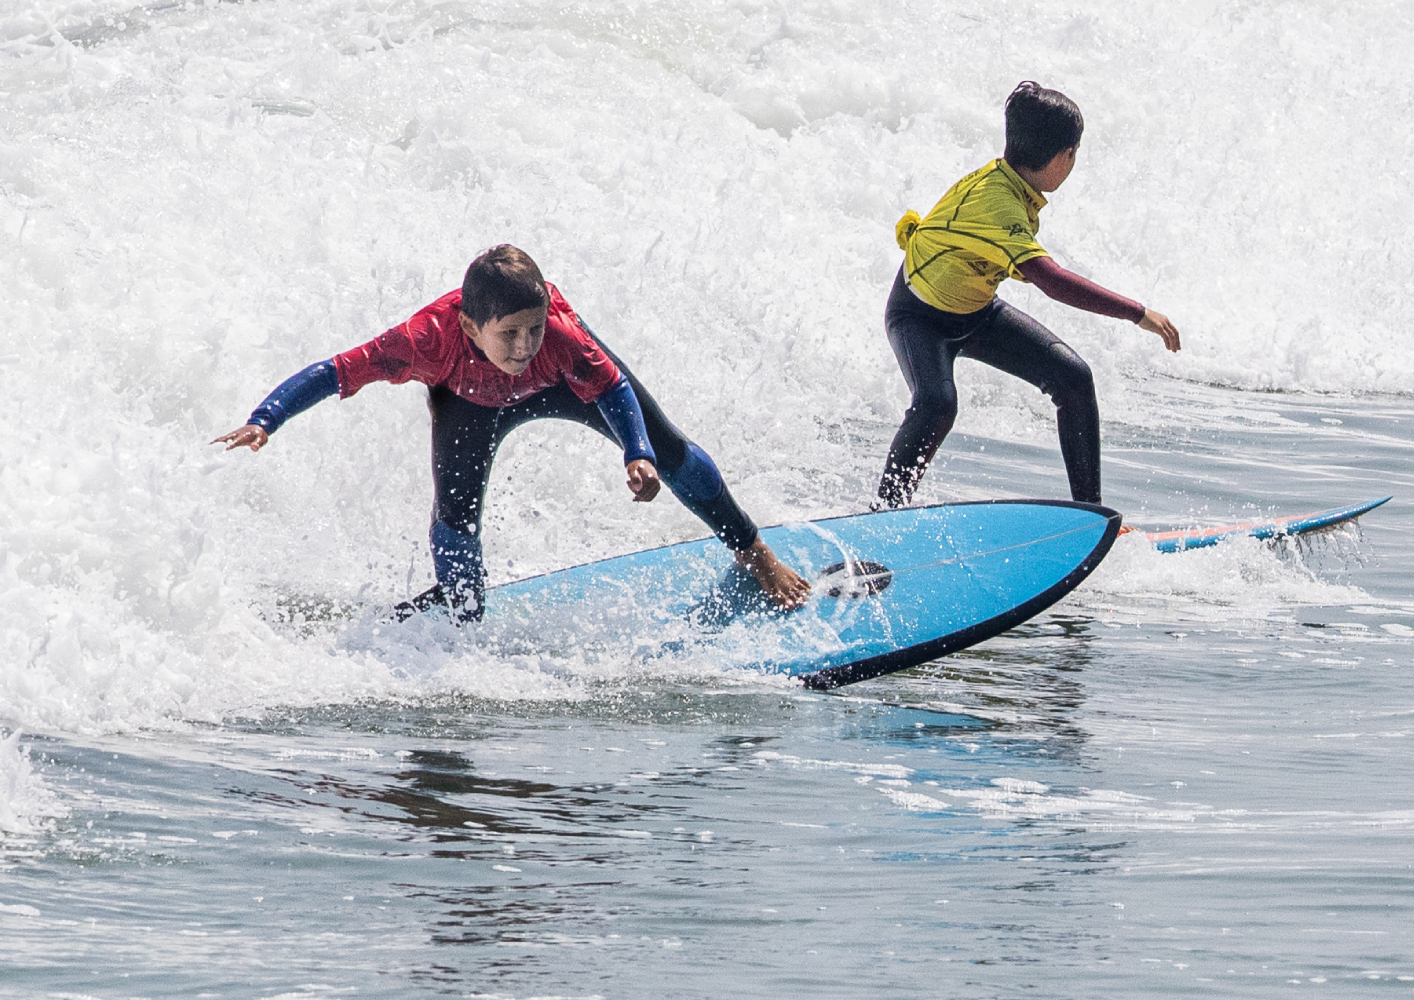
944 301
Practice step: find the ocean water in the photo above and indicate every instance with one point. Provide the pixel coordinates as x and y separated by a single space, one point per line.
1193 777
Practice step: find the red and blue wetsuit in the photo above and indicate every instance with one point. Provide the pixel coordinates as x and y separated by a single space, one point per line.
475 405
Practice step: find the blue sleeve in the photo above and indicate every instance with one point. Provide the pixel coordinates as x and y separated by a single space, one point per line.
296 394
621 411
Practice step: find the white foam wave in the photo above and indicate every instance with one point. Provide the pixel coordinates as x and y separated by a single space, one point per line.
1243 579
197 200
27 805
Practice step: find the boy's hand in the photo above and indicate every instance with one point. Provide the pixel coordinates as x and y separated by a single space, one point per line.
1159 323
642 479
250 436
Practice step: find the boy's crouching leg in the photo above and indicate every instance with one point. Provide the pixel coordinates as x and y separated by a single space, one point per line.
461 572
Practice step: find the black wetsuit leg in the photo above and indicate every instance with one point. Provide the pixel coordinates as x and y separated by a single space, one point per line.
927 341
1018 345
465 438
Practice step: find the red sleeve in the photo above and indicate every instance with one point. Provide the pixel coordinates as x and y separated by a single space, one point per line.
412 350
1073 290
588 370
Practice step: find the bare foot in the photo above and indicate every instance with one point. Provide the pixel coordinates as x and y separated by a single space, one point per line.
783 585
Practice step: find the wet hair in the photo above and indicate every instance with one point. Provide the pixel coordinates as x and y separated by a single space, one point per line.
1039 124
503 280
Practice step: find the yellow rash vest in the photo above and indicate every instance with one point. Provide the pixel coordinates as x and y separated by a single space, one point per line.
973 239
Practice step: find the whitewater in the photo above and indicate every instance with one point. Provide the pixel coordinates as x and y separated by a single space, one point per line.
219 775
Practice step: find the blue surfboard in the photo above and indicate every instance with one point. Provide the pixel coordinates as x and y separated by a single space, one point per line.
890 589
1182 539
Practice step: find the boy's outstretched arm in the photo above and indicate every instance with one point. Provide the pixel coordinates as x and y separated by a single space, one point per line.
294 395
1082 293
618 404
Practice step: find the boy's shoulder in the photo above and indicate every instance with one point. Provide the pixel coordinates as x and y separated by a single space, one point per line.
573 352
998 178
1017 186
991 171
437 317
559 310
561 320
992 190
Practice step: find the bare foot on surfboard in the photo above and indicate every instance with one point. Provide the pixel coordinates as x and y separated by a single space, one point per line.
783 585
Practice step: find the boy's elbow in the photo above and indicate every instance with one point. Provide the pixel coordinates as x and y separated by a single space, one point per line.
617 390
1048 276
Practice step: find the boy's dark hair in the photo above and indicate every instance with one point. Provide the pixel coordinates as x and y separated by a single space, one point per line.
1039 124
503 280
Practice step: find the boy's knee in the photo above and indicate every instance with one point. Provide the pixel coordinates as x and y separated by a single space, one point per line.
1082 382
696 477
1075 380
937 409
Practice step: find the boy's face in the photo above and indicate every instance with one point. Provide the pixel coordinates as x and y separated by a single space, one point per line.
509 342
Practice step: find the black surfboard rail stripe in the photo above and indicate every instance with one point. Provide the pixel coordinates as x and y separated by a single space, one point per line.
912 656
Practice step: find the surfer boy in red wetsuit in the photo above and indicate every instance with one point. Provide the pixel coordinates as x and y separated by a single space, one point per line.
944 301
503 349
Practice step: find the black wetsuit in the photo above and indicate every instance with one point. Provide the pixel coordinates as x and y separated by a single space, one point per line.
926 341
